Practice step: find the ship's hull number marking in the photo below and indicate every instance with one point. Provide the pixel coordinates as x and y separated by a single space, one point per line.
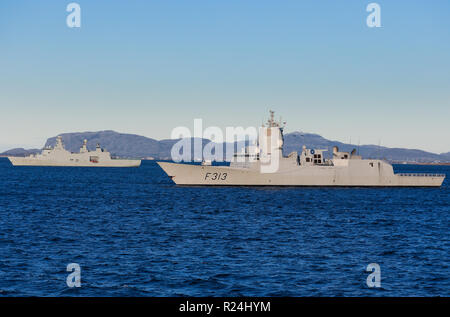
216 176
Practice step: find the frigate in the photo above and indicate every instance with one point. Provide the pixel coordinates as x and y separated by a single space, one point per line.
59 156
263 164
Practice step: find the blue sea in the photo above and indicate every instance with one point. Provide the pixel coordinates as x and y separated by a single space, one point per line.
134 233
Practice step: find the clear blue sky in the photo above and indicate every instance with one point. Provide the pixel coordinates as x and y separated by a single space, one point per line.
146 67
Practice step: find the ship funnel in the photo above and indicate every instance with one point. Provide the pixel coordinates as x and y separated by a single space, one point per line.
335 149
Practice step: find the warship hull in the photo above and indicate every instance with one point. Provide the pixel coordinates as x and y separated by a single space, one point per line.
26 161
358 175
59 156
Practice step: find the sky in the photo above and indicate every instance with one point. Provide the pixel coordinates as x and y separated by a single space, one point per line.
146 67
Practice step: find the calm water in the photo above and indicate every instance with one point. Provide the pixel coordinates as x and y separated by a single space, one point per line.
136 234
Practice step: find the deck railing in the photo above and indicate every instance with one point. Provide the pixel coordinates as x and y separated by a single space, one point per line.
421 174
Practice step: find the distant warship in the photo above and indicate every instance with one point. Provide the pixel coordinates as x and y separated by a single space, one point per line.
59 156
253 167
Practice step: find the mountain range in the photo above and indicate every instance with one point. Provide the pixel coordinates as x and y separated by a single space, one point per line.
137 146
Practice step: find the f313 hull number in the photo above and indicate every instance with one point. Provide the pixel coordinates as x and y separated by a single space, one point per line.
216 176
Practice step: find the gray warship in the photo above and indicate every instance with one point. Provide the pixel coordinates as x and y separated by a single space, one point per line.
59 156
263 164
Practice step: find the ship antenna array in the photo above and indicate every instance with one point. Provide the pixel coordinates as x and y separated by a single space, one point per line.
272 123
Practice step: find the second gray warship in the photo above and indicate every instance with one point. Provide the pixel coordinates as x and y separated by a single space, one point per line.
59 156
264 165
